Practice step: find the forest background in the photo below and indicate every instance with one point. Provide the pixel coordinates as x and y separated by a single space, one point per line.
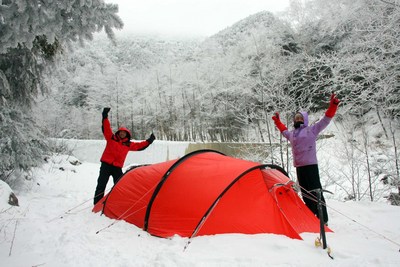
55 80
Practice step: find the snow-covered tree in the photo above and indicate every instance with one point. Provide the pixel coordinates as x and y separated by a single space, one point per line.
32 33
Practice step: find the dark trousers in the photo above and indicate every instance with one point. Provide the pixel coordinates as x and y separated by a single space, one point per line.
105 171
308 177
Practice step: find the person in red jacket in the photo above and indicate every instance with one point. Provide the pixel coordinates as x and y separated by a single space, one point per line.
117 147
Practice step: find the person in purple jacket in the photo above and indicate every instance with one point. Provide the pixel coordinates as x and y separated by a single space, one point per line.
303 140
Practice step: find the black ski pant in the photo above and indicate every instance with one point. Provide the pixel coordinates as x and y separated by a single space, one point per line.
105 171
308 178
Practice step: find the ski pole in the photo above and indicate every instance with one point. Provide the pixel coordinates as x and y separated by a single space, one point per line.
321 219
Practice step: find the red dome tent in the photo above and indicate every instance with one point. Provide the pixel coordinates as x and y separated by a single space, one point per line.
206 193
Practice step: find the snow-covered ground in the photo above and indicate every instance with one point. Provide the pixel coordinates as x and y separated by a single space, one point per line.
54 226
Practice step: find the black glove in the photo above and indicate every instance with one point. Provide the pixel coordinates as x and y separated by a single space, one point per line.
151 138
105 112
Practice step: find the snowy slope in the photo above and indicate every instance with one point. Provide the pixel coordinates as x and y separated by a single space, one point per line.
54 226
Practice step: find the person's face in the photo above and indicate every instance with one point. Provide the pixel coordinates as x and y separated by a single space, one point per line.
298 118
122 134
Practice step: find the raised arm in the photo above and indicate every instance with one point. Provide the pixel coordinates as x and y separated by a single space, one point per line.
333 105
330 112
281 127
105 125
138 146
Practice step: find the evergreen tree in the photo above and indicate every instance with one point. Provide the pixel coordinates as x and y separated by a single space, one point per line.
32 33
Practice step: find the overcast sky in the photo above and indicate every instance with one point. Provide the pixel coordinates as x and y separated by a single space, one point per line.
189 17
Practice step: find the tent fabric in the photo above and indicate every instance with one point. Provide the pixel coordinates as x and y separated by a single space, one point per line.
207 193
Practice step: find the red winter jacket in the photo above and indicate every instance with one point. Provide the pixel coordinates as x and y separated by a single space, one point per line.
117 149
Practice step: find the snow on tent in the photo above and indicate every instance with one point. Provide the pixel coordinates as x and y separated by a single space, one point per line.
206 193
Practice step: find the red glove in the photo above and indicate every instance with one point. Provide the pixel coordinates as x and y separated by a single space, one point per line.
278 122
333 105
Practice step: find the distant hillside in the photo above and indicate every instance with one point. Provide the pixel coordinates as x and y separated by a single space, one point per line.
262 22
244 33
141 52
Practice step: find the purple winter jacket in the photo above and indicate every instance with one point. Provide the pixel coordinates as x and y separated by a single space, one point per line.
303 141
